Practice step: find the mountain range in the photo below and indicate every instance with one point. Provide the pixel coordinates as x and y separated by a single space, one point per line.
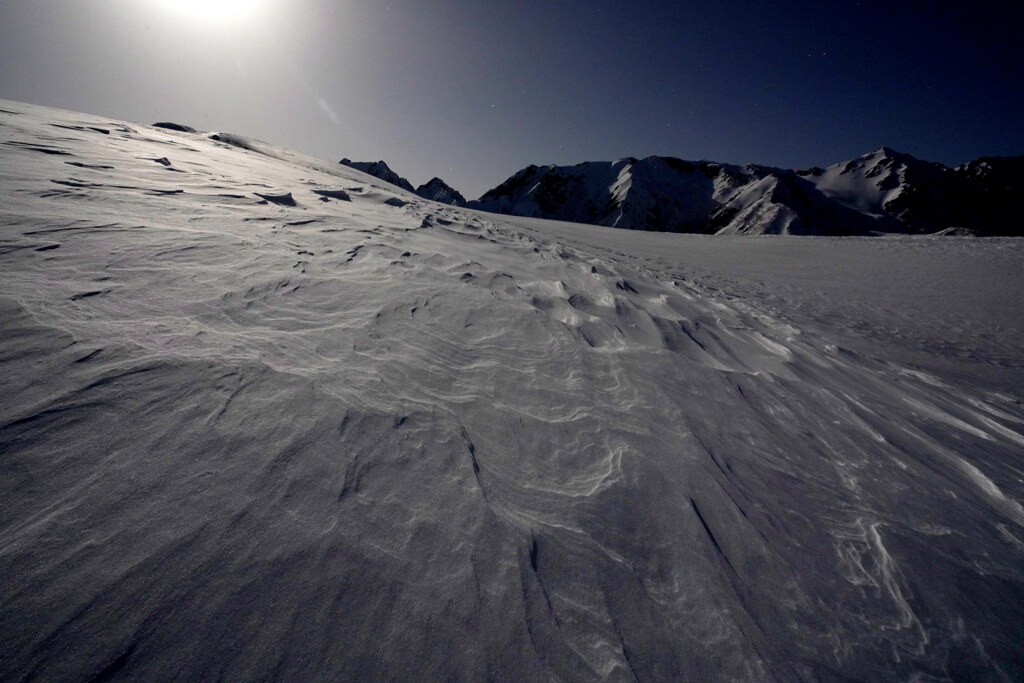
436 190
882 192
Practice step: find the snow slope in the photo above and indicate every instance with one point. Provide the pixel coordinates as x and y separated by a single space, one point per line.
264 418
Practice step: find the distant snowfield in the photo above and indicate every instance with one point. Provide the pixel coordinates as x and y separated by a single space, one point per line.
266 417
954 302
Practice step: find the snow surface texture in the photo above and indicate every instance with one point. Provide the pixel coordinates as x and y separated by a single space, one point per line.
360 435
880 192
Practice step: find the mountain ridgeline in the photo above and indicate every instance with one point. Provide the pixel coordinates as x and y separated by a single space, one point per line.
881 192
436 190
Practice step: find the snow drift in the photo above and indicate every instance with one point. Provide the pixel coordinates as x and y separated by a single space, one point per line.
363 435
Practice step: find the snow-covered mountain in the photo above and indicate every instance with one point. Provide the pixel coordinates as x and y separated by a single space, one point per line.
651 194
672 195
265 417
920 196
435 189
881 192
379 169
994 187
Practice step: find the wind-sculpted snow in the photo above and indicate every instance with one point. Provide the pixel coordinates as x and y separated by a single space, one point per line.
360 435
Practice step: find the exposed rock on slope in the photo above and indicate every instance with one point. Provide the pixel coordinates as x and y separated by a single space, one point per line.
379 169
174 126
437 190
604 193
785 204
920 196
672 195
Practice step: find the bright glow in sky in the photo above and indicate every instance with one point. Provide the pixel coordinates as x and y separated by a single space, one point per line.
219 14
215 10
473 91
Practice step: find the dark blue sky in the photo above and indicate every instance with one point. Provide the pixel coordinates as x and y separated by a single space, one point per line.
473 91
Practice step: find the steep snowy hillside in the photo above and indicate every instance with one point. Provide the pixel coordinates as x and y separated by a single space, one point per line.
786 204
880 192
265 418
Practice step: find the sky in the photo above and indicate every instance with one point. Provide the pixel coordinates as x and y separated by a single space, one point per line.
473 91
